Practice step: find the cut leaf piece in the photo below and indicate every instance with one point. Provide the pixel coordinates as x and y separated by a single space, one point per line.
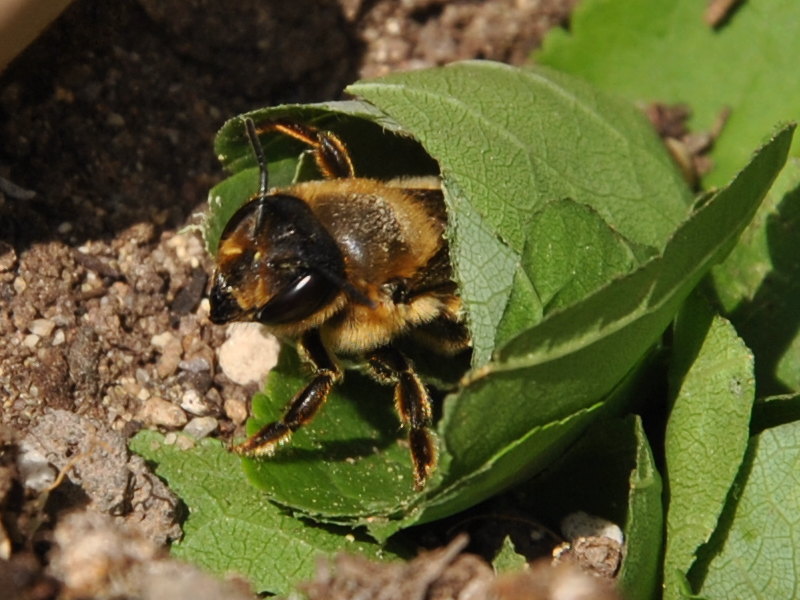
563 274
527 137
557 275
232 528
554 275
572 360
514 416
755 556
350 462
707 431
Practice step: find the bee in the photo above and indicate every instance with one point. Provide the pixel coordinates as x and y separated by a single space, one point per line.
344 267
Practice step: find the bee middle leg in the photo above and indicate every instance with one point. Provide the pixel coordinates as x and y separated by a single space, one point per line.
302 408
413 404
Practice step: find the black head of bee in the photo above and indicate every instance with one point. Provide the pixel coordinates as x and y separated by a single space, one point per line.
276 264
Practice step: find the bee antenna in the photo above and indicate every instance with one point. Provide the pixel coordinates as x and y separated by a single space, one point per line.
258 150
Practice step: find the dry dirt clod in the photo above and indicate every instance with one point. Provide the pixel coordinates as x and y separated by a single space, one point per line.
99 468
439 574
543 581
97 558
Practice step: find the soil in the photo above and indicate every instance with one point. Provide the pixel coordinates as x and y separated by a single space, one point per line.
106 130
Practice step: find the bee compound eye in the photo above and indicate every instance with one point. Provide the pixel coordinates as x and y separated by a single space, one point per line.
307 294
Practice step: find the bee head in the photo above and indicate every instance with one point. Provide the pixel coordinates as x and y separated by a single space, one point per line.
276 264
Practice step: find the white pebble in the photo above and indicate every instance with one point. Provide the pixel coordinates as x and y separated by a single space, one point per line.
581 524
59 338
248 354
35 471
193 403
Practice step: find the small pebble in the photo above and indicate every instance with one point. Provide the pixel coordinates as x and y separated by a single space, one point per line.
31 340
8 257
236 410
58 338
248 354
185 442
162 339
35 471
200 427
170 357
195 365
41 327
193 403
157 411
581 524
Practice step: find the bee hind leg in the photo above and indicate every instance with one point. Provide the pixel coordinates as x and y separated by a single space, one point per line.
413 405
302 408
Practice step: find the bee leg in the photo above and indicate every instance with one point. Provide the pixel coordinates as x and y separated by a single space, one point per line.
413 404
302 408
330 152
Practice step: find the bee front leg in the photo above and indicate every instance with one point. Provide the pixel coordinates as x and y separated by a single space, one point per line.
413 404
302 408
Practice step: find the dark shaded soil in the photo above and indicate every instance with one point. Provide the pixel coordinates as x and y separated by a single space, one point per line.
106 130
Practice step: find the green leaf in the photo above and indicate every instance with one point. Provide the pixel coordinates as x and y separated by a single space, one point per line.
380 147
511 174
639 574
759 286
525 138
707 431
775 410
349 463
609 473
557 275
232 527
755 555
507 559
553 380
552 374
663 51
